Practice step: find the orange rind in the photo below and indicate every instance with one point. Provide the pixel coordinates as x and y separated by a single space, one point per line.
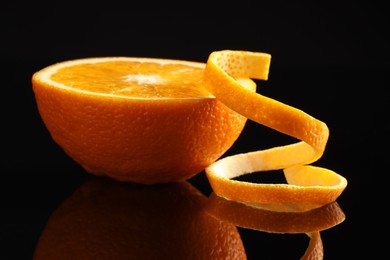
309 186
315 250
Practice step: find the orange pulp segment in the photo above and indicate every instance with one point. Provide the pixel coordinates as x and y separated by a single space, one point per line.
307 185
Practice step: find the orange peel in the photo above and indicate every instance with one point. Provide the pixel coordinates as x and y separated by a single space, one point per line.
315 249
306 185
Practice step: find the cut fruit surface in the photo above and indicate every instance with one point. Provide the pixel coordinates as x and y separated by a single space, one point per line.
145 78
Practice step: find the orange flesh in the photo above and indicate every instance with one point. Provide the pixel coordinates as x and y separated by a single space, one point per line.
135 79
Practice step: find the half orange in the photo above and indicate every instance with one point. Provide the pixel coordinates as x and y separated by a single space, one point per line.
134 119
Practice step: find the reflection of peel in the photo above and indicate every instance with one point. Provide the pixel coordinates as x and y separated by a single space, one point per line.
105 219
247 216
309 222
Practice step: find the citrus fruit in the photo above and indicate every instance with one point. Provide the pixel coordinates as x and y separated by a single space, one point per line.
142 120
108 219
159 120
307 186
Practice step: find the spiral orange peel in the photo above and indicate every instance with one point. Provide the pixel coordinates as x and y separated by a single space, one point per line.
307 185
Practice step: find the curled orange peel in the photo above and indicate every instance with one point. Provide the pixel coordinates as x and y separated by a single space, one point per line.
315 249
307 185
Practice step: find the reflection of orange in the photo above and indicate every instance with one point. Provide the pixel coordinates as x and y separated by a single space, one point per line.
309 222
105 219
136 119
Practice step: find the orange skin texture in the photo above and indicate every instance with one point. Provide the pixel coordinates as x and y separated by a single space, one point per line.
146 141
307 187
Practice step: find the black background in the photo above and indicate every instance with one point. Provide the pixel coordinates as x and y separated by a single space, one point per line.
330 60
